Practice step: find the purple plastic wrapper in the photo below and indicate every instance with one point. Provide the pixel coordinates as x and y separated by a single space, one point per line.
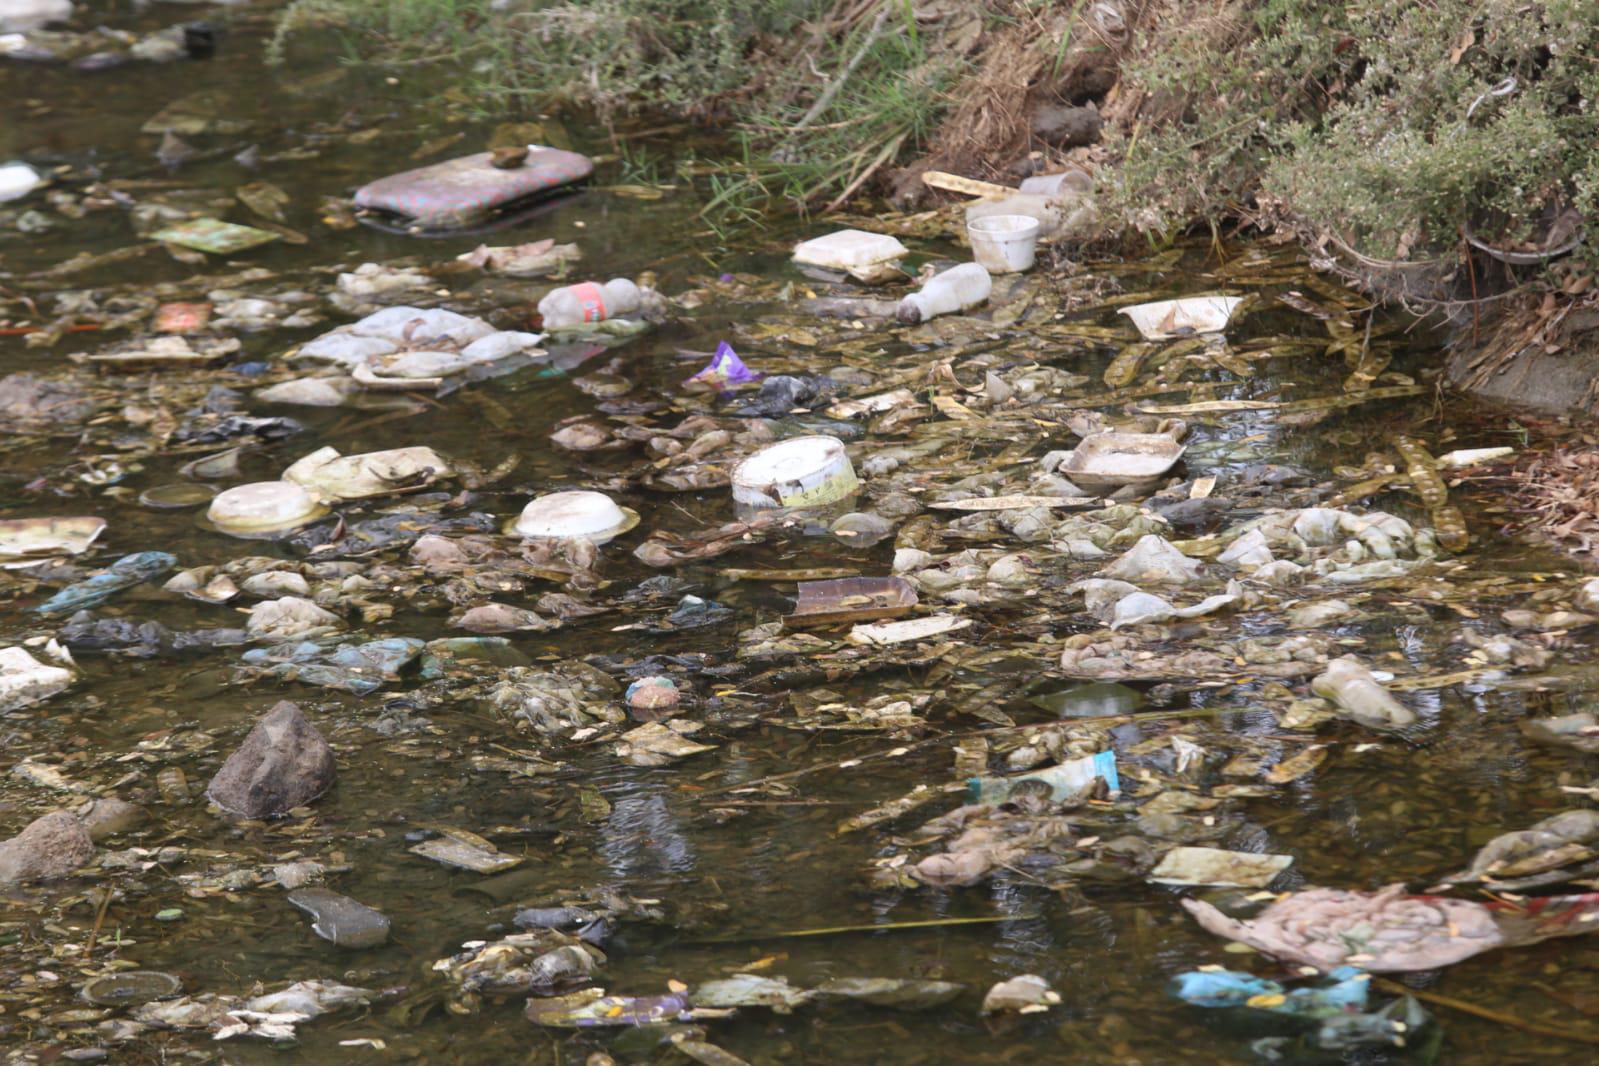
725 370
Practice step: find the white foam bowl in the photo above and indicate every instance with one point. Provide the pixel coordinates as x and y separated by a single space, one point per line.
800 472
1004 244
263 507
572 516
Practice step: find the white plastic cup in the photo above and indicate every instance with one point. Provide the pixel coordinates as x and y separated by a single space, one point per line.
1065 183
574 515
1004 244
263 508
799 472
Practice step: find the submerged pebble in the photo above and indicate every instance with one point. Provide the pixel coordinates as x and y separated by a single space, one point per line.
131 988
340 919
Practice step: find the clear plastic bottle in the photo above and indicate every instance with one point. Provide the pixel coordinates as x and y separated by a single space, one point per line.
955 289
590 301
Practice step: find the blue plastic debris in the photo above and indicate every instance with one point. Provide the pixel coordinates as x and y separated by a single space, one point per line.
360 669
126 572
1064 781
1229 988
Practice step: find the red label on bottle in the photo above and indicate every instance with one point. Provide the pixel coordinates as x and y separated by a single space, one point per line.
591 298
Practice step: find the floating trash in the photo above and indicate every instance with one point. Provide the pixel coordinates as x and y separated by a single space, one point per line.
1360 696
867 257
800 472
17 180
465 851
1212 866
960 288
850 599
1104 462
1059 782
177 496
589 302
126 572
574 515
592 1008
215 236
534 260
29 541
336 477
263 509
219 466
471 190
1345 992
408 348
1004 244
1101 699
883 633
24 680
725 371
1166 319
131 988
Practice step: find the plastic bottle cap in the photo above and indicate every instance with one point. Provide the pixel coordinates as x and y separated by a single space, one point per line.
802 472
571 515
263 507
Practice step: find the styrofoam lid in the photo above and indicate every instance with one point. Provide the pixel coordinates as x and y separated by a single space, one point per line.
848 248
800 472
791 460
569 515
262 505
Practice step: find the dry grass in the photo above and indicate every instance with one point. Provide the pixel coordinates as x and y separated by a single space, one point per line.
1555 497
1066 54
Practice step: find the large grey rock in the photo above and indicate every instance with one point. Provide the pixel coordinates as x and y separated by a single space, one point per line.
284 763
51 846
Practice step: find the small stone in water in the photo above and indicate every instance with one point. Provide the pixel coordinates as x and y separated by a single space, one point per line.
293 875
176 496
653 694
340 919
130 988
509 157
170 914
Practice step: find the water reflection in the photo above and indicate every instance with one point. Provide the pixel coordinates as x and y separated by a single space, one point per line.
642 839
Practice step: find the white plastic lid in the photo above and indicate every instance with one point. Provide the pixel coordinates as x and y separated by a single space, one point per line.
262 506
801 472
570 515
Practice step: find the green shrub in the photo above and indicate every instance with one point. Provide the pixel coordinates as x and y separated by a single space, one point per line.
1357 120
611 55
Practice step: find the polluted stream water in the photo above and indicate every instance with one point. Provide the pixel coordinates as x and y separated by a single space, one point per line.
599 638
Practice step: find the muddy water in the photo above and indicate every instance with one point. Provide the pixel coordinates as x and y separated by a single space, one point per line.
728 879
